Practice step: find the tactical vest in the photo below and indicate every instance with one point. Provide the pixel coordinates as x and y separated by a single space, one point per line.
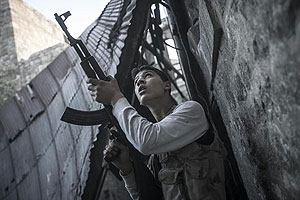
194 172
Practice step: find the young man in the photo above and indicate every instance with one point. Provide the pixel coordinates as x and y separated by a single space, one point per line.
188 169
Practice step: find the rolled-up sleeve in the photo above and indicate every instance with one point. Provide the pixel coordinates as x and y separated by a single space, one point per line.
184 125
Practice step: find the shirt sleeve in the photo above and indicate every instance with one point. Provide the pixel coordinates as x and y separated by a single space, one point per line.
130 185
186 124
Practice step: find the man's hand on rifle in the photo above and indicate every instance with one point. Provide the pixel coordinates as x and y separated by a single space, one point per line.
106 92
120 155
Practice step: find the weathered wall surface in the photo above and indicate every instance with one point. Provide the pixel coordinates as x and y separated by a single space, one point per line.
29 25
254 48
15 76
8 55
24 32
38 61
7 45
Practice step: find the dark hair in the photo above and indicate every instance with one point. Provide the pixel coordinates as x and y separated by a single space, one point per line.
161 74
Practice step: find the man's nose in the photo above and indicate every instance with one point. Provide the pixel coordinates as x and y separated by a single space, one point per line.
140 81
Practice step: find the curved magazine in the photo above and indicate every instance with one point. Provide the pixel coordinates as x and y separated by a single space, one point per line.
85 118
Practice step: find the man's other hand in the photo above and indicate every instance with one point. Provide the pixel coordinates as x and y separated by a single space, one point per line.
120 156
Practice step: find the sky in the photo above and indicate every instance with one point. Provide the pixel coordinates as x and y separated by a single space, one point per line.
83 12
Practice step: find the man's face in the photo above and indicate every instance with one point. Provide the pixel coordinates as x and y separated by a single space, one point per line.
149 87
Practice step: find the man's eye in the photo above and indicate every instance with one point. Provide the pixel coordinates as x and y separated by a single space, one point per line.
148 75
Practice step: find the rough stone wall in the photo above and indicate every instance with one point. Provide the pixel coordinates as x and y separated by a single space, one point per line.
38 61
7 45
32 31
9 78
8 56
250 50
15 76
24 32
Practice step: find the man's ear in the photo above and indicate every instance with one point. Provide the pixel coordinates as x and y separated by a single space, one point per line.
168 85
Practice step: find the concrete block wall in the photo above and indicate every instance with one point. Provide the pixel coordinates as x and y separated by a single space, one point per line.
250 50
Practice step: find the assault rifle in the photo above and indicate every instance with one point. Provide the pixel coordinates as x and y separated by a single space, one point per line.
145 181
92 70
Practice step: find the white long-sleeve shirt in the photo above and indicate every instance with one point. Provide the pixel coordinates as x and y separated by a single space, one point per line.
183 126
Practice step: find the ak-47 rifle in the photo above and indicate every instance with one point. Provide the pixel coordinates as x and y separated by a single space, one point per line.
146 188
92 70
